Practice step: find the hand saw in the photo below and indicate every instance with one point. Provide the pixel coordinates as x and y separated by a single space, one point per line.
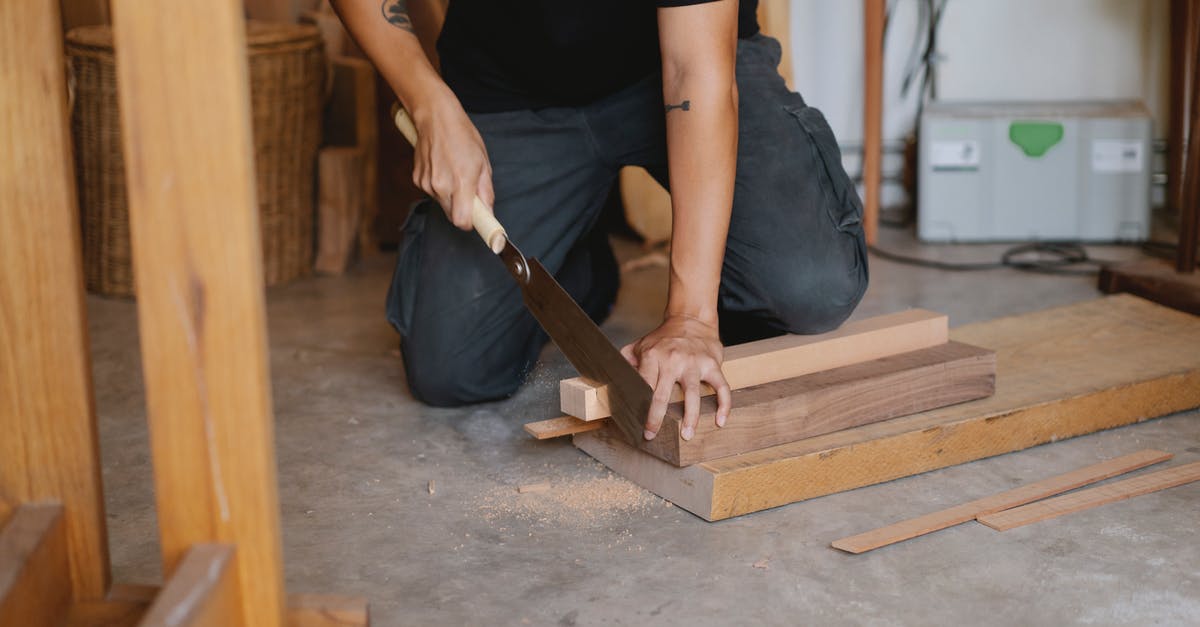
572 330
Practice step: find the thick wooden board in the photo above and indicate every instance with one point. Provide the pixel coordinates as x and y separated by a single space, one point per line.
1061 373
201 592
48 442
35 585
1092 497
789 356
822 402
558 427
185 115
959 514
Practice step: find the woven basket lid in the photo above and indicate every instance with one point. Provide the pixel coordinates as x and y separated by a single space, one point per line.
260 36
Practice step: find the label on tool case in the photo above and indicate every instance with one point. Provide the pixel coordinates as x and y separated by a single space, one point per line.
1117 155
960 154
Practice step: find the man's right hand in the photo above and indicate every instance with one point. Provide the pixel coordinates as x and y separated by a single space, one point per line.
451 162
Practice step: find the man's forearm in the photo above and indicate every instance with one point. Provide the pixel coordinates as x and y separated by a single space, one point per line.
384 30
701 113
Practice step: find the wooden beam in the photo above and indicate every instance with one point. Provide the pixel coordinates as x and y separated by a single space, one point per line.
35 584
185 114
1060 373
1092 497
340 173
1156 280
48 442
831 400
126 606
558 427
202 591
789 356
1189 211
874 16
921 525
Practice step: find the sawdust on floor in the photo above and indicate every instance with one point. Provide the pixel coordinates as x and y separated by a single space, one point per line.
569 501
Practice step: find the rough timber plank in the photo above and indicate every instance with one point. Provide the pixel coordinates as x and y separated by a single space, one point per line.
832 400
790 356
35 588
202 591
959 514
1061 373
558 427
1093 497
48 442
185 117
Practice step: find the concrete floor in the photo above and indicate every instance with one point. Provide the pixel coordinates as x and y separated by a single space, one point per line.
356 454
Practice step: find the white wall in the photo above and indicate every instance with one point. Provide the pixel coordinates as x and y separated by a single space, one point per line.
993 49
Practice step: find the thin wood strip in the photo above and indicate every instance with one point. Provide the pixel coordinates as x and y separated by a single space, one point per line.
202 591
1092 497
789 356
35 587
558 427
48 440
959 514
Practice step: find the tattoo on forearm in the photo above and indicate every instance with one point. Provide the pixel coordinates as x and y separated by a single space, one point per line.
396 14
686 105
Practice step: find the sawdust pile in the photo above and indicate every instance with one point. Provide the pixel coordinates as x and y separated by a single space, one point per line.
580 502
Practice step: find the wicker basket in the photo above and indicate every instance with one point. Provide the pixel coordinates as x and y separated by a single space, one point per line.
287 74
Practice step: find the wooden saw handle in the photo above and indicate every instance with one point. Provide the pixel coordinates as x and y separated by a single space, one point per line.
486 224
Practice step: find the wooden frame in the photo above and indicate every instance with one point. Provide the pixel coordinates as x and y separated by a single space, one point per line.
1061 373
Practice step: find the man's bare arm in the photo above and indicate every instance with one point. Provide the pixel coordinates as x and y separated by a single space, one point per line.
451 161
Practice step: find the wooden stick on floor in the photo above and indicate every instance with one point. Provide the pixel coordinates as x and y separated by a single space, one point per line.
558 427
48 441
185 115
1092 497
959 514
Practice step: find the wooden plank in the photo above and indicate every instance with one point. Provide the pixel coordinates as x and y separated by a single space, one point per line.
185 114
1061 373
789 356
339 206
558 427
831 400
202 591
83 13
35 585
1156 280
48 442
1028 493
1092 497
123 609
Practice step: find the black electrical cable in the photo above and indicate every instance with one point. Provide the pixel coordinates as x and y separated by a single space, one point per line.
1038 257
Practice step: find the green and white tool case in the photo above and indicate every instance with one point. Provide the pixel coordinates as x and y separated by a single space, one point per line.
1020 171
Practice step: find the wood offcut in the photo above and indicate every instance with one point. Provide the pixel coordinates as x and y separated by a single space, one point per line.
1093 497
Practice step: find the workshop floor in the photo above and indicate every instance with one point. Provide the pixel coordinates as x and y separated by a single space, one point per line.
357 456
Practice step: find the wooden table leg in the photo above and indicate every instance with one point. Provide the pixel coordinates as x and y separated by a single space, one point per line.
185 115
874 14
48 447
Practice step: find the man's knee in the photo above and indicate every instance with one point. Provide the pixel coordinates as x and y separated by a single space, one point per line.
818 303
442 380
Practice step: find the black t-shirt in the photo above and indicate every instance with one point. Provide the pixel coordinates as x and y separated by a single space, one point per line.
504 55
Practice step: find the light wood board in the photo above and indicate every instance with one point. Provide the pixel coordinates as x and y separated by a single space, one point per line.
185 116
48 442
558 427
202 591
1061 373
959 514
832 400
788 356
1092 497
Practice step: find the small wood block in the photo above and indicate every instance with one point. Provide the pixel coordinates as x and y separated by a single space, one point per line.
202 591
1061 373
959 514
1156 280
35 584
790 356
1092 497
558 427
832 400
